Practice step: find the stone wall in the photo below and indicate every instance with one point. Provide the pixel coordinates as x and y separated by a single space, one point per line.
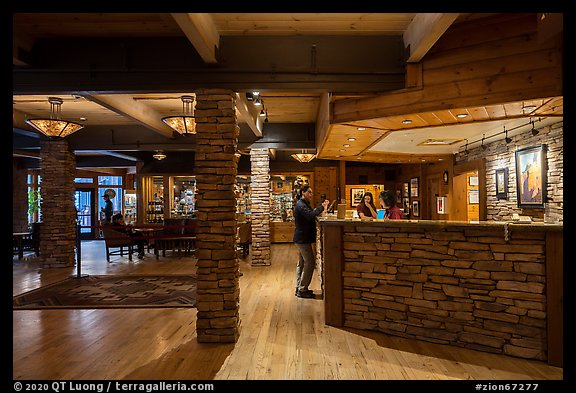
465 287
501 155
58 236
216 168
260 217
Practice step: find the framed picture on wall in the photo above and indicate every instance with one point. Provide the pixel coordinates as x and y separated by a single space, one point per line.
406 190
502 183
406 205
416 208
531 182
356 195
414 187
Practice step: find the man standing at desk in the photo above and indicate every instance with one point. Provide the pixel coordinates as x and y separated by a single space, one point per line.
304 238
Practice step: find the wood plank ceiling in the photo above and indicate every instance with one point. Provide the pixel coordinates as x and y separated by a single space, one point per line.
458 71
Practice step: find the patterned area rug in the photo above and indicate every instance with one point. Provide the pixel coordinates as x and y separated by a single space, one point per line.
112 292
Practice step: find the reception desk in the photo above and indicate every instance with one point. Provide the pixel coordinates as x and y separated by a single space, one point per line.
488 286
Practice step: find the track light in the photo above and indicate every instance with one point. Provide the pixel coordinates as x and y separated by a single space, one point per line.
534 131
508 140
484 147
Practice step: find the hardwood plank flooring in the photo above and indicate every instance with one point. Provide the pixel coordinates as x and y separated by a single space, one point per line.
282 337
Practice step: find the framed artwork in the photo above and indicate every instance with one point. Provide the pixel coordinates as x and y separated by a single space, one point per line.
473 181
356 195
398 196
406 205
441 205
531 180
502 183
405 190
414 187
473 196
416 208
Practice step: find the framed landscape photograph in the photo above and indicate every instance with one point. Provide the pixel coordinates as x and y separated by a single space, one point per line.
531 181
502 183
356 195
416 208
414 187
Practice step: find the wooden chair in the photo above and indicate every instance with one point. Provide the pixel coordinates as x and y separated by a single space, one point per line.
119 240
244 238
32 242
179 235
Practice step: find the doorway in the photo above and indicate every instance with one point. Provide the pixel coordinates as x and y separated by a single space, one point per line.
466 199
86 212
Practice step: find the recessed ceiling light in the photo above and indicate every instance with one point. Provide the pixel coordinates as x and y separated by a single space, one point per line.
528 108
462 115
346 145
406 121
359 158
82 119
342 150
361 128
351 139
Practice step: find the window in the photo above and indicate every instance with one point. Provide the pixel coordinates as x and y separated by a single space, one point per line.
84 180
34 212
109 180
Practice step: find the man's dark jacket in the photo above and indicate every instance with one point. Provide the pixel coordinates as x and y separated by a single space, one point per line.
304 217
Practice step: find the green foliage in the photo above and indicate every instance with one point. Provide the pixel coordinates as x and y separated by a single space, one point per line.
33 201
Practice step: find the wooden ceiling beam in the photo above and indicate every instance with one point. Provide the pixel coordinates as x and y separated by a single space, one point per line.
125 105
201 32
250 116
423 32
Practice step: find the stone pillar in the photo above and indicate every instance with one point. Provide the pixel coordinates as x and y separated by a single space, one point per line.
260 183
216 165
58 233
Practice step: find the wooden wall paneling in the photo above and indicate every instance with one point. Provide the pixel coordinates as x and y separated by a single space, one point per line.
326 182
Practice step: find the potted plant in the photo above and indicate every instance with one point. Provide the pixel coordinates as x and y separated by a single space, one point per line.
34 204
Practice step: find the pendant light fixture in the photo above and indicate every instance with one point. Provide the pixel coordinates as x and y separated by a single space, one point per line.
183 124
54 127
159 155
304 157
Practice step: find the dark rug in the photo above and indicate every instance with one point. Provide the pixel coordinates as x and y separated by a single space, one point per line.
112 292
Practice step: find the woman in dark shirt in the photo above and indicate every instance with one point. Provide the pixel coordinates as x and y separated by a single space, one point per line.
366 209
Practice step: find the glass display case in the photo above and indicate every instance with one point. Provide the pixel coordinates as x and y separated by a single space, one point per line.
183 197
284 193
130 207
243 200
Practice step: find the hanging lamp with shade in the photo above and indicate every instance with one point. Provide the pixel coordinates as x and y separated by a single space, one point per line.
54 127
303 157
183 124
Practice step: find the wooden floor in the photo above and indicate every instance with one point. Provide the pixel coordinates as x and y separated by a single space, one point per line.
281 336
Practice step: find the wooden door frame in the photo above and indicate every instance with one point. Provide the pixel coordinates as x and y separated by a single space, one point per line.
478 165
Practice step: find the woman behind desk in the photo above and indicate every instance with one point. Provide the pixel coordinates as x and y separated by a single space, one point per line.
119 225
366 209
388 202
